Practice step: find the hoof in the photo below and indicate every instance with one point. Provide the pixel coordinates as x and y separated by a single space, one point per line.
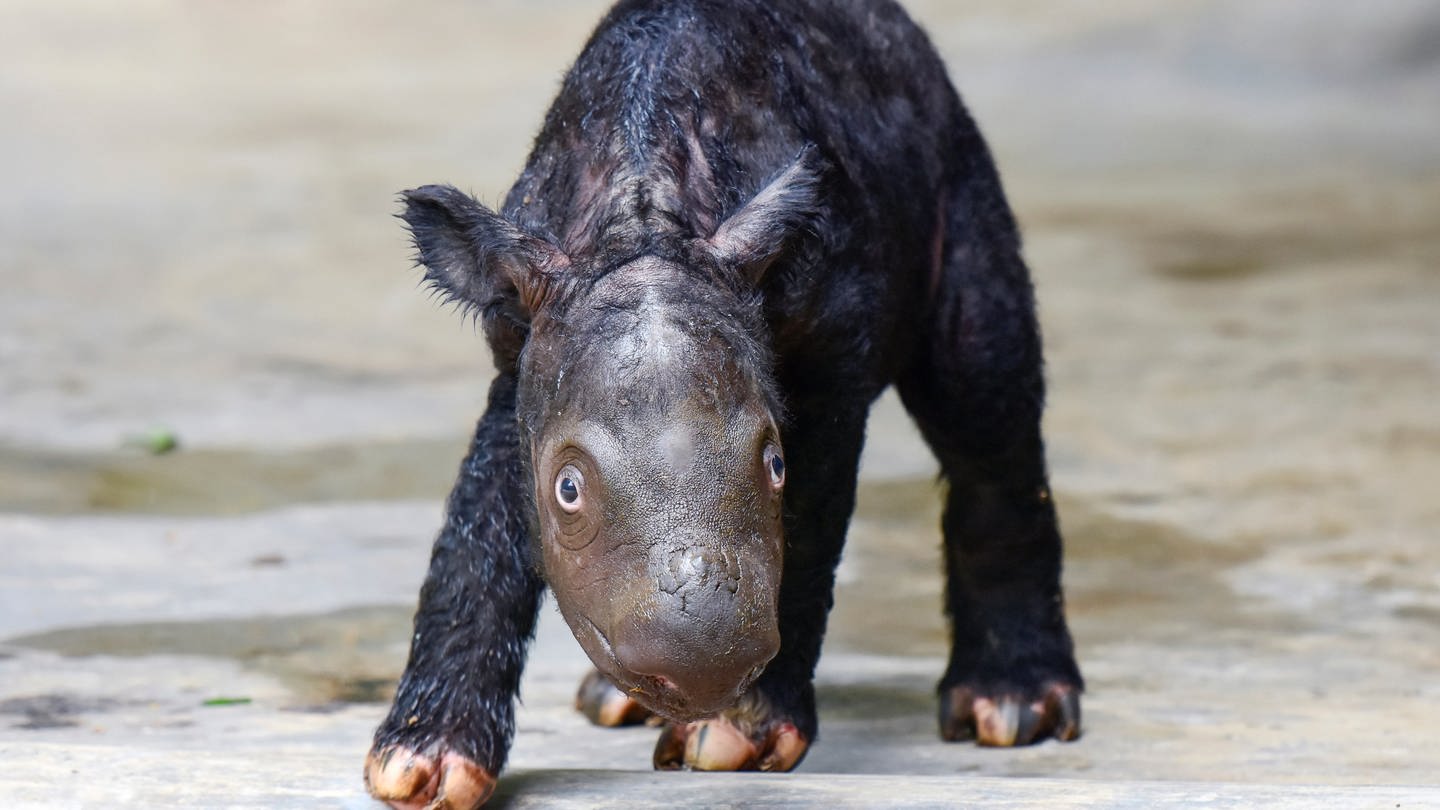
407 780
718 744
604 705
968 713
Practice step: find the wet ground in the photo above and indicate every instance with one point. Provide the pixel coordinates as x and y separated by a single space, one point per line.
1233 216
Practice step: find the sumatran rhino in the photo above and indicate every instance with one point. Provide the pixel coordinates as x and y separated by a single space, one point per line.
741 221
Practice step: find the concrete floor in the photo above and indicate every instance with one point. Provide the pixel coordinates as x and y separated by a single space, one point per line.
1231 214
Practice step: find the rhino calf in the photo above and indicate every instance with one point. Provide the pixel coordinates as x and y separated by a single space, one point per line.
741 221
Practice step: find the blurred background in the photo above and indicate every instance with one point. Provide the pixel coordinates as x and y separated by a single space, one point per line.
1232 212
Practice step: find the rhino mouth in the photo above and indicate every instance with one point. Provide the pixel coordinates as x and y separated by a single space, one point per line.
658 693
661 696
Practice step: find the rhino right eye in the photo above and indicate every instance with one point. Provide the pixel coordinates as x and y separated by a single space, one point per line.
568 488
775 465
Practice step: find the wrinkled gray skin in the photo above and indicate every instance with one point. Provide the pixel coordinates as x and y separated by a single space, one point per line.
667 567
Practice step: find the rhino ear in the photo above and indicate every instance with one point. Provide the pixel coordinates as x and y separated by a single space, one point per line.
787 207
476 257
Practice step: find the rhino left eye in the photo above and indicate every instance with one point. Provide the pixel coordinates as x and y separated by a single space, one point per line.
568 488
775 465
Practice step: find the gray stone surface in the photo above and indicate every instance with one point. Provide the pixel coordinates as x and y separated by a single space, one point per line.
1231 213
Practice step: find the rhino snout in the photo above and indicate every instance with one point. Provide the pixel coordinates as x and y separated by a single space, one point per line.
693 669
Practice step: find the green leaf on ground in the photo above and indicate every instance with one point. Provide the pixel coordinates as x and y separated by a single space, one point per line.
157 441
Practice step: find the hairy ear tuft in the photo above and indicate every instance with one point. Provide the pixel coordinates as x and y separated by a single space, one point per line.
787 207
474 256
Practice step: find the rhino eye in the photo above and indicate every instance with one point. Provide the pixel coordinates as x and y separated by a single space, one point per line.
775 465
568 486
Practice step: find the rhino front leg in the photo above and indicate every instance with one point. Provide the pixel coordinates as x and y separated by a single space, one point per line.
449 730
